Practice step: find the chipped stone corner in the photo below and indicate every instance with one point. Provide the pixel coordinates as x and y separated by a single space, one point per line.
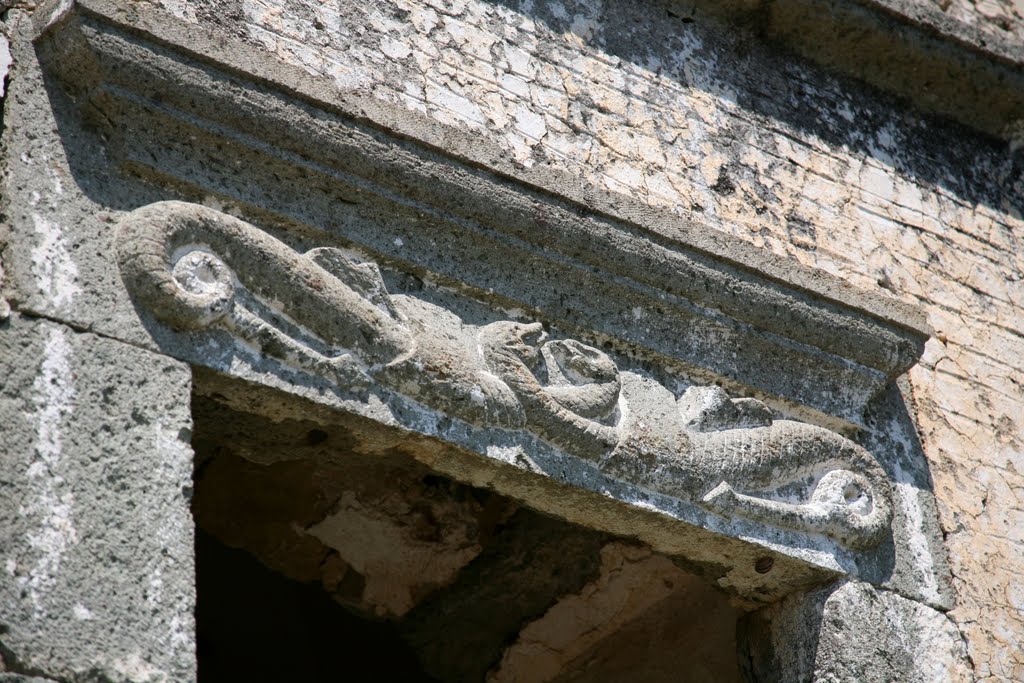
836 633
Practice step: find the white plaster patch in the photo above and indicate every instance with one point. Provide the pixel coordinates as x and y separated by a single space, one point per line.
906 497
5 63
81 612
53 396
54 270
530 124
454 103
137 670
394 49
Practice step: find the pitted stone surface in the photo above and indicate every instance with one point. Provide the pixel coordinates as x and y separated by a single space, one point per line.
853 632
97 465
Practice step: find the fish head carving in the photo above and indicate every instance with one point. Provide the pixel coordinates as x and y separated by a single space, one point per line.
580 363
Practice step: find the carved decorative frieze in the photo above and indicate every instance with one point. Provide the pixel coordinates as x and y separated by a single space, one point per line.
328 313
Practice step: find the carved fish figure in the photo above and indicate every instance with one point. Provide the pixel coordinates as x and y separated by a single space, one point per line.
730 452
513 351
850 494
332 315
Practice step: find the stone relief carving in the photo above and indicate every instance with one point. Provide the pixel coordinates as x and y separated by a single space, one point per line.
330 314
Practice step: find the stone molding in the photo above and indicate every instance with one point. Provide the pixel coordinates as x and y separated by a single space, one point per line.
427 199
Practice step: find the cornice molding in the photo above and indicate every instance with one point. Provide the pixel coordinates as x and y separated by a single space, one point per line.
188 107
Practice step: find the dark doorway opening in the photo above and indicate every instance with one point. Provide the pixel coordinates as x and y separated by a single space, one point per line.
321 557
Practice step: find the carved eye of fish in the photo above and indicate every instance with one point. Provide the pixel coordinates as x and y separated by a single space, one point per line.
588 363
531 334
846 489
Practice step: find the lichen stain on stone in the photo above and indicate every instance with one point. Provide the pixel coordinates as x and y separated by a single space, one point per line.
49 501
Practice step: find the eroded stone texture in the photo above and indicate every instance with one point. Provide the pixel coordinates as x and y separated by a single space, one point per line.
330 314
96 580
707 123
852 632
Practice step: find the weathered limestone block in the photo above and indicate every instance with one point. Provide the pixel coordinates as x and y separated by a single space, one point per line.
96 568
852 632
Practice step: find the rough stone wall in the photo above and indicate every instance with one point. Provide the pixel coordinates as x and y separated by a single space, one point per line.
654 101
1000 19
96 562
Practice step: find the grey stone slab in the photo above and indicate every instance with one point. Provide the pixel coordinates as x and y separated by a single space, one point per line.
852 632
510 409
96 559
56 241
919 570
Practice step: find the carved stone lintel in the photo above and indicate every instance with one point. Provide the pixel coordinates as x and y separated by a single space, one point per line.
330 314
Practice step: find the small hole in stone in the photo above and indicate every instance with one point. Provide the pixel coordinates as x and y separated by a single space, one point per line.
851 493
316 436
764 565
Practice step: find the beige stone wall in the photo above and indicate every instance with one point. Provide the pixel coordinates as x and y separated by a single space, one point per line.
999 19
684 115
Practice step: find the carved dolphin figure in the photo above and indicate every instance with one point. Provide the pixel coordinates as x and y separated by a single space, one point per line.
742 465
728 454
513 352
197 268
581 378
194 265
